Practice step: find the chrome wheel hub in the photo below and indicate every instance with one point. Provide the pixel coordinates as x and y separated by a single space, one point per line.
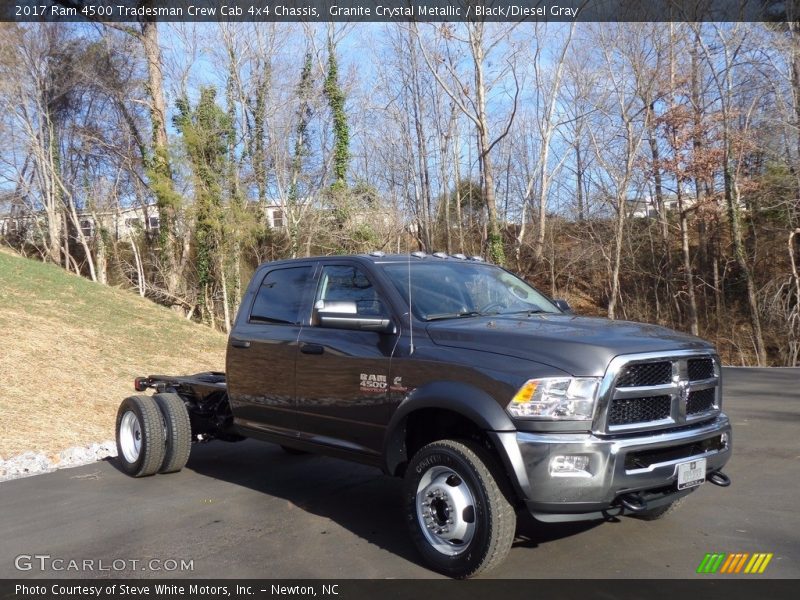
130 436
445 510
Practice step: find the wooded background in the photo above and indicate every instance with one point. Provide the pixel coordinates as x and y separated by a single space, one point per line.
644 171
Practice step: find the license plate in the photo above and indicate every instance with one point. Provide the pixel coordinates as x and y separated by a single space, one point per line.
692 473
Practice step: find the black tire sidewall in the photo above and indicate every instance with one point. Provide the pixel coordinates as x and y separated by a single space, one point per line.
134 404
178 432
466 562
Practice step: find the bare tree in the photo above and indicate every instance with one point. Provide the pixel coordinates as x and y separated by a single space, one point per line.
722 67
474 106
547 124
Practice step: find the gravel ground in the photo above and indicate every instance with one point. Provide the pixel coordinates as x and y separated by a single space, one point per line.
34 463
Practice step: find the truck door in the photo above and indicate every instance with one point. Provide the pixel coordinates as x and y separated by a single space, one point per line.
342 374
262 349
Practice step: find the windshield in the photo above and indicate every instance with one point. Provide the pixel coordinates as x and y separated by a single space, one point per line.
446 290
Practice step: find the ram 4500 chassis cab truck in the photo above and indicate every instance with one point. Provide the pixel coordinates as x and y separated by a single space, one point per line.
486 396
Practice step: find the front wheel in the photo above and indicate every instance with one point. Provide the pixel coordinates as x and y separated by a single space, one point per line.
460 520
653 514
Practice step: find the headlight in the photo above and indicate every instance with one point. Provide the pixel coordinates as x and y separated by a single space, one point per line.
553 398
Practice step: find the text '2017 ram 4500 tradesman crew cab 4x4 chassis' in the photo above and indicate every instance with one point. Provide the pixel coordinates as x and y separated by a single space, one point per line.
485 395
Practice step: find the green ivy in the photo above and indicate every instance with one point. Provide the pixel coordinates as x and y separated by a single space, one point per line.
301 130
497 253
341 132
205 131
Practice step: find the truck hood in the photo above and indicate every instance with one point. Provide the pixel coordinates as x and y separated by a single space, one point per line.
581 346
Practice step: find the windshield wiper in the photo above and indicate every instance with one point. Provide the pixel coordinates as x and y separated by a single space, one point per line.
529 312
461 315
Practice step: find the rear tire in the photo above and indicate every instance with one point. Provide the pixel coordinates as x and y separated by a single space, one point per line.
460 520
140 436
654 514
178 432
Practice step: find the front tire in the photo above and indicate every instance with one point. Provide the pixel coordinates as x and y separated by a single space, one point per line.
140 436
460 520
654 514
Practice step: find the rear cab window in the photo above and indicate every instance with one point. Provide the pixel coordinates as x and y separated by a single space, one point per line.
279 299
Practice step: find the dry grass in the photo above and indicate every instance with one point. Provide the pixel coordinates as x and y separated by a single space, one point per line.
69 350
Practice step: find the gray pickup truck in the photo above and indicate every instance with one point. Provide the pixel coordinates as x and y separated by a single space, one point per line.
486 396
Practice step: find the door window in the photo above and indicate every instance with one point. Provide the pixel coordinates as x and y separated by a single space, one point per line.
280 297
344 283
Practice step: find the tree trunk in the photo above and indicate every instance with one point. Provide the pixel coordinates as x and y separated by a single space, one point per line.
226 310
663 226
579 181
422 148
732 200
101 255
687 265
140 281
457 191
494 241
161 172
615 267
544 151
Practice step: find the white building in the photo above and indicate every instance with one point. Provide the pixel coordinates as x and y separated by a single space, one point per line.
120 224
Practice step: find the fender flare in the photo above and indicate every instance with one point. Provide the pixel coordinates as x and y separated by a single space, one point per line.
468 401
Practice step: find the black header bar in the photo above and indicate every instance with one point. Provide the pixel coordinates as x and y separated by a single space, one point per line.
398 11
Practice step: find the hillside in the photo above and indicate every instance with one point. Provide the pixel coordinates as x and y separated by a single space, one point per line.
69 350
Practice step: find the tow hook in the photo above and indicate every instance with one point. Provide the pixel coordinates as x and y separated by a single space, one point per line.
719 478
633 502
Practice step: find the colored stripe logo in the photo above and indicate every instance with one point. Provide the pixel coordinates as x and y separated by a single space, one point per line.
735 563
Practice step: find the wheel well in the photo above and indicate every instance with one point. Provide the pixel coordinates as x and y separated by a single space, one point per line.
430 424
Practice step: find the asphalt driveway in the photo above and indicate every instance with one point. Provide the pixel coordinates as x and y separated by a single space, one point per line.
249 510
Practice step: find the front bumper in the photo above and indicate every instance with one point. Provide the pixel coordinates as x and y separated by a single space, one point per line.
610 472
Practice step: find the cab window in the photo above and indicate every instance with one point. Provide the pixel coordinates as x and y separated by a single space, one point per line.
345 283
280 297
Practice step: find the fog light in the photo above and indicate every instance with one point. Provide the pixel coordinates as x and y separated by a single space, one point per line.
723 440
571 465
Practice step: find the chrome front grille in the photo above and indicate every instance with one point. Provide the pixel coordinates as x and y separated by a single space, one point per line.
701 401
649 391
700 368
625 411
643 374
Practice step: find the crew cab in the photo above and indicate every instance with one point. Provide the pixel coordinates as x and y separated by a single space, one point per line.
485 395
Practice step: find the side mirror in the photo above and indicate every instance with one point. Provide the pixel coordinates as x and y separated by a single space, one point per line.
563 305
344 315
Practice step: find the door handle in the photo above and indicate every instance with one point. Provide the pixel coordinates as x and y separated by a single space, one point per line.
237 343
312 349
